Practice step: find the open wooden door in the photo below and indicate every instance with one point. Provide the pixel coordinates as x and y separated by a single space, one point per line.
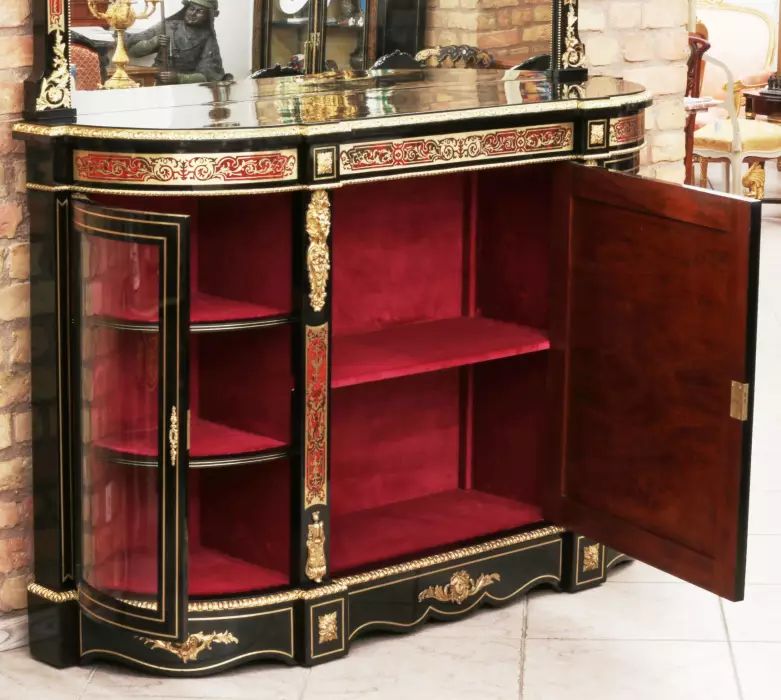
653 326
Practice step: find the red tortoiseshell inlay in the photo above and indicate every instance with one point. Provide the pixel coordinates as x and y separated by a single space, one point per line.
627 129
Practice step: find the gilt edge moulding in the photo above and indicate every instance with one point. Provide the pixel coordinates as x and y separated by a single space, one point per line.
49 89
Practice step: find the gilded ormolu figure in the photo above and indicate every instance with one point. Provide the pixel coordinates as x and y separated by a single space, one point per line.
315 545
185 44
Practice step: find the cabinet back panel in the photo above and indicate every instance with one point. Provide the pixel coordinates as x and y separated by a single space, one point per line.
397 252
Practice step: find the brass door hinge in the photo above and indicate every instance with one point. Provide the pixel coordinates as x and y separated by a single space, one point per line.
738 403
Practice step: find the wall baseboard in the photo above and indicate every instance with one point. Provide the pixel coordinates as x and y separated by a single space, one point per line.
13 631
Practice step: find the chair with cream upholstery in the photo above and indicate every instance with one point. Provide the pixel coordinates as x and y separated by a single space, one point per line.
735 140
741 36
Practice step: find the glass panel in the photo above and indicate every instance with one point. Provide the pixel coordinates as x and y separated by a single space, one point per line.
120 414
288 31
345 34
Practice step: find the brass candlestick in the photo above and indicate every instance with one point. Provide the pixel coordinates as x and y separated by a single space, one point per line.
120 16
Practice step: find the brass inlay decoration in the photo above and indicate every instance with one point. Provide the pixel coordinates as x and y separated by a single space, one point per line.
327 628
461 587
574 54
316 417
315 549
176 169
591 558
191 648
624 130
325 162
56 87
738 404
173 435
318 260
471 146
754 180
50 595
597 137
120 16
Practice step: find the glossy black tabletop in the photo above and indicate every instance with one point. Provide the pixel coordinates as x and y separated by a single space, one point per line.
340 98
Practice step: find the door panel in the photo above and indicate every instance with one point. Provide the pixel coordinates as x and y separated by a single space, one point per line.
652 323
133 328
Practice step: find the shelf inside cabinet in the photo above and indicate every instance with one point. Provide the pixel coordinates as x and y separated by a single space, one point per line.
208 313
212 445
417 348
422 524
211 573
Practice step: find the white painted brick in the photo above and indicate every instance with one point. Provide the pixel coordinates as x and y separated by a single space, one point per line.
624 15
603 50
667 114
591 18
660 80
671 172
638 46
667 145
672 44
665 13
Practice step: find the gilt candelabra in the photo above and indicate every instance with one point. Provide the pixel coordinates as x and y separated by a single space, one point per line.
120 16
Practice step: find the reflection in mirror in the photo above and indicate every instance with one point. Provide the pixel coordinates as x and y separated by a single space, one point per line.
185 41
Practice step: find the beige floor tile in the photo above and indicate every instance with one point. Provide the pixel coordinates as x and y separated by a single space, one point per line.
650 611
639 572
757 618
758 669
262 681
421 667
612 670
24 678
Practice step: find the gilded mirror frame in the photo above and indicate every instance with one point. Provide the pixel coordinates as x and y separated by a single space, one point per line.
49 90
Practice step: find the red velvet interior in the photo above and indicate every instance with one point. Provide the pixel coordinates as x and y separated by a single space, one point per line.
438 410
240 251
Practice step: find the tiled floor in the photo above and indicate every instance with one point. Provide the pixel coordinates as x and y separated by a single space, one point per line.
642 636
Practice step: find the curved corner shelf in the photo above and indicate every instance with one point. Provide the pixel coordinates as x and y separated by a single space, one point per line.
239 447
208 314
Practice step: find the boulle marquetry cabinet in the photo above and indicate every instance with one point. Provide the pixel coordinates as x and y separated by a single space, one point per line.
318 356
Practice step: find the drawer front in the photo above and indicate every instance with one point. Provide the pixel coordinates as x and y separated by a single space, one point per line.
450 591
216 641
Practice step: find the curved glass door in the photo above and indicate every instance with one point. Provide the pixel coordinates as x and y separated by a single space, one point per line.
345 35
133 330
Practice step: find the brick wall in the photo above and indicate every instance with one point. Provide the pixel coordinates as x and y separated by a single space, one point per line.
643 41
15 500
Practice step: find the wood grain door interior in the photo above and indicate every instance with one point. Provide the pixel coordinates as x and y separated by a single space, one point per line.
653 330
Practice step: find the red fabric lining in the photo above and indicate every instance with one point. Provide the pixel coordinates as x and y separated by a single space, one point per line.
416 348
412 527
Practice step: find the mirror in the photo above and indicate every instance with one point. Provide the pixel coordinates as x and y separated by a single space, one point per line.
127 43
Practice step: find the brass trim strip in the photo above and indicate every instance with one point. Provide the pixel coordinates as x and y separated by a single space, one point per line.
50 595
345 127
335 185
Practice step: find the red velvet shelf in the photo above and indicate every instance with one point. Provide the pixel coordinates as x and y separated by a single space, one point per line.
416 348
410 527
211 573
204 308
208 440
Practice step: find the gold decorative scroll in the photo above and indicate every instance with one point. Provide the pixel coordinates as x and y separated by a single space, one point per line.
327 628
57 84
591 557
191 648
574 54
50 595
177 169
173 436
316 416
318 259
463 147
315 549
624 130
461 587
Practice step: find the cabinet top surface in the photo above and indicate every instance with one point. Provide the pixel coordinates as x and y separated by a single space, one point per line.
337 102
